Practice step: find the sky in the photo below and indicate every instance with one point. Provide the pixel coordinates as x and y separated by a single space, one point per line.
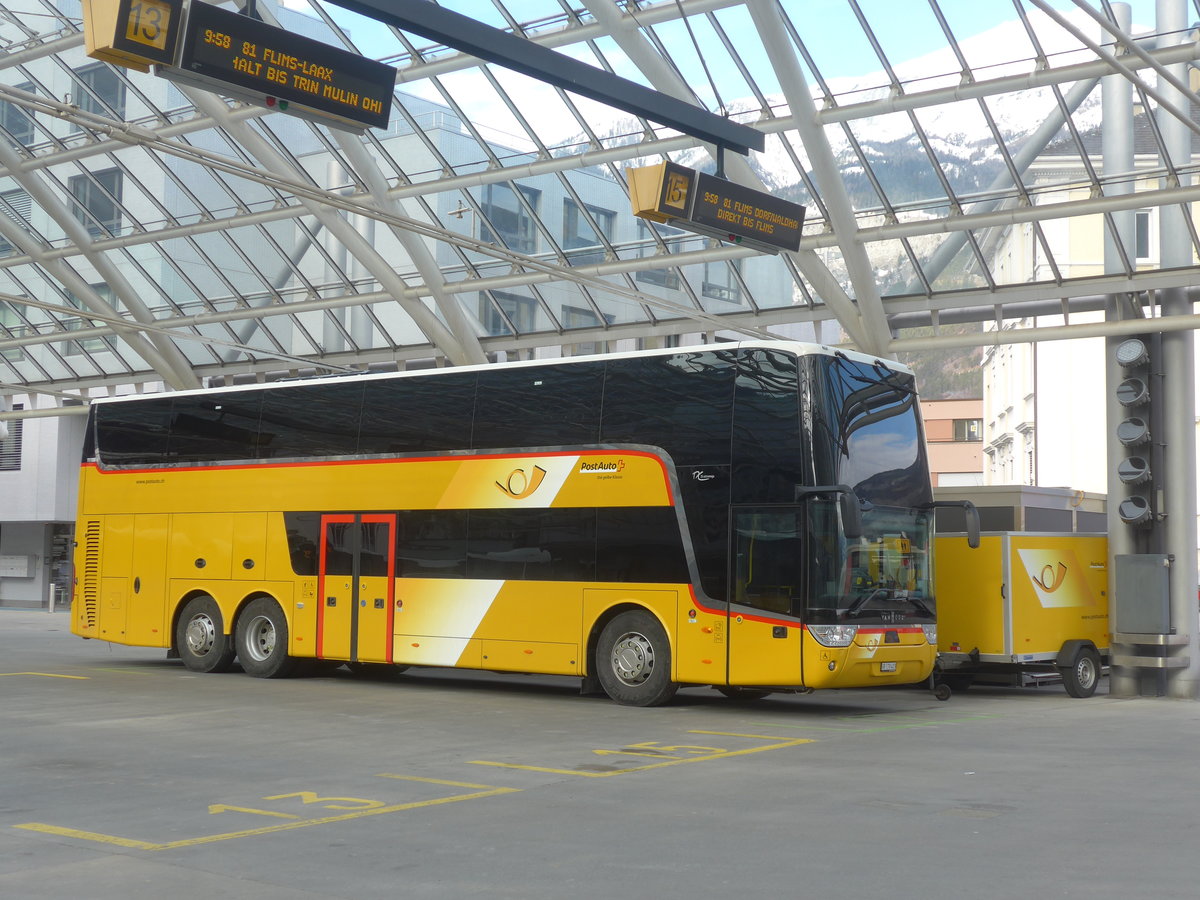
906 30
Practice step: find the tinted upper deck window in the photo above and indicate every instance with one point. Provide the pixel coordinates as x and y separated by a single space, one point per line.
768 458
317 419
550 406
682 402
423 414
214 427
133 433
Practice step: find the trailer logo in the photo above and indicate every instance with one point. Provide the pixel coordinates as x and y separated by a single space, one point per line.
1051 575
520 485
1051 580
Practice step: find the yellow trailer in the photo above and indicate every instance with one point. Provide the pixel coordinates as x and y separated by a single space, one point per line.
1024 607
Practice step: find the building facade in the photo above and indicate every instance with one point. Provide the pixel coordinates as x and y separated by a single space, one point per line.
954 439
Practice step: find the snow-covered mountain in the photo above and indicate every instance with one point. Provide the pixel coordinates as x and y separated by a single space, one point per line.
958 133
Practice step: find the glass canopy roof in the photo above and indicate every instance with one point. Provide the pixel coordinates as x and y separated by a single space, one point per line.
949 156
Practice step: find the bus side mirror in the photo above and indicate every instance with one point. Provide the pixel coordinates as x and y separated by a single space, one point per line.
850 505
971 513
851 515
972 524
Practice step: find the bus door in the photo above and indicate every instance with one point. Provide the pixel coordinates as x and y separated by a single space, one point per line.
356 587
767 597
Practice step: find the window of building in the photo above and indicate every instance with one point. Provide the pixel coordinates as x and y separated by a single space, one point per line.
13 328
101 92
673 238
506 221
10 447
520 311
88 345
578 232
1142 234
720 281
16 120
582 317
968 429
17 206
97 201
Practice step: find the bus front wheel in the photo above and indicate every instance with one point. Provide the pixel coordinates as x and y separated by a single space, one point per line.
262 640
200 637
633 660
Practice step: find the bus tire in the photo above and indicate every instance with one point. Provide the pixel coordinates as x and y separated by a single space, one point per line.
1082 675
262 640
633 660
200 637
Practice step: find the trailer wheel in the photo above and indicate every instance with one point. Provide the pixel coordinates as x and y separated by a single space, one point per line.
1082 675
956 681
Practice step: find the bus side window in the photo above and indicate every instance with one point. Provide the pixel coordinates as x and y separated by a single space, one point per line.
432 543
768 571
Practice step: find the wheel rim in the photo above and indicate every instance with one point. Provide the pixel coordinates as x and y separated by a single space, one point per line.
1085 672
633 658
260 638
200 634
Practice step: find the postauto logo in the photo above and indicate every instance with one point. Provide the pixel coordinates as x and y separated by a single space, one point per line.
521 483
601 467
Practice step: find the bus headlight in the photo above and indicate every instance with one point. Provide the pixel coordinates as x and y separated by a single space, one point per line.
930 634
833 635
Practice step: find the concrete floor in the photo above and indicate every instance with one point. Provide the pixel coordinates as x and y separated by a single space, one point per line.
124 776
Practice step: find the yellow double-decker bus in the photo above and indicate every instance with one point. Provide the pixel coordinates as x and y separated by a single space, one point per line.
755 517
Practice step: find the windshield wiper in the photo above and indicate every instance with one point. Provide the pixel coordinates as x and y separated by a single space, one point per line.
922 608
856 607
862 601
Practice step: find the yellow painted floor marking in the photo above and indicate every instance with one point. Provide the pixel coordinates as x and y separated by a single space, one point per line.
462 784
46 675
724 754
221 807
254 832
89 836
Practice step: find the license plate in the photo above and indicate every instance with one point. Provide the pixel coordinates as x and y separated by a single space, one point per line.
887 667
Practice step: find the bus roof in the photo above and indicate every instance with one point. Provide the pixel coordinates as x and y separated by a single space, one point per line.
798 348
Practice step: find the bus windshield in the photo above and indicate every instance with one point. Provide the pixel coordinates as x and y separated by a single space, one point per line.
881 578
867 434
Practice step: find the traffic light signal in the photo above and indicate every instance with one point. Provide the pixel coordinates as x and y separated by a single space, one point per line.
1136 432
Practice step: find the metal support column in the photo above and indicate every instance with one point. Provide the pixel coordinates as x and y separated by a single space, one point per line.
1117 156
1178 504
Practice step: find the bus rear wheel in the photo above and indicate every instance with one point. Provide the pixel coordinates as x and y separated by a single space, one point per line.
633 660
200 637
262 640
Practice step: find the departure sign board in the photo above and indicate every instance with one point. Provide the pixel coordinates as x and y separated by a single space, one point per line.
713 206
223 50
133 33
